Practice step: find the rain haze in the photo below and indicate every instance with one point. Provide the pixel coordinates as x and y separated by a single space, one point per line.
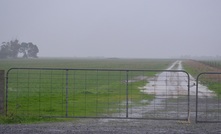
114 28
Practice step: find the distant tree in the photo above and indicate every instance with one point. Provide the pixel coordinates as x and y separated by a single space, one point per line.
13 48
10 49
4 51
33 50
29 50
24 49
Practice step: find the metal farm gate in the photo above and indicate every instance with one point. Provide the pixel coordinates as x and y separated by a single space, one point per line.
208 102
98 93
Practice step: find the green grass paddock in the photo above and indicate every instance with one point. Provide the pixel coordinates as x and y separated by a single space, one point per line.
34 94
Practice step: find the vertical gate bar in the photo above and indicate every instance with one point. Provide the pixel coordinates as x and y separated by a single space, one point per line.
218 106
178 85
197 79
66 93
74 76
97 93
6 97
2 91
218 79
51 92
28 93
188 117
108 89
127 99
39 94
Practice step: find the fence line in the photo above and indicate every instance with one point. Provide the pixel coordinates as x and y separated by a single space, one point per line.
98 93
208 102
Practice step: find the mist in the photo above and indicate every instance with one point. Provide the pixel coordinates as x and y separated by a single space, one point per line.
114 28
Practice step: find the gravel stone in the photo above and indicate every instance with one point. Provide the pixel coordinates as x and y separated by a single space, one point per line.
113 126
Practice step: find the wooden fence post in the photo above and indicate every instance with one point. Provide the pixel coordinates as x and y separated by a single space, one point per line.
2 91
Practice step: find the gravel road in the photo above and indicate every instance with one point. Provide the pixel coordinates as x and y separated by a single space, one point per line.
117 126
113 126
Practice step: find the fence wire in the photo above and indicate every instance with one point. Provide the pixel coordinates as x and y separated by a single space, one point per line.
208 97
98 93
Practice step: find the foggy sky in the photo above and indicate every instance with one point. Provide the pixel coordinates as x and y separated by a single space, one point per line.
114 28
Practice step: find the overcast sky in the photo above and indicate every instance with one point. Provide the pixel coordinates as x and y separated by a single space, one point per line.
114 28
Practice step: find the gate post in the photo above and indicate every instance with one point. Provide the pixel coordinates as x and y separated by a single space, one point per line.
2 91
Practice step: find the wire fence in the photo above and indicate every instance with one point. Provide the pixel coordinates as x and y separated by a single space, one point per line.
98 93
208 97
212 63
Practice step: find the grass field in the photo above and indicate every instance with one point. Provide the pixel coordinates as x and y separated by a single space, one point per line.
112 63
212 63
212 81
38 93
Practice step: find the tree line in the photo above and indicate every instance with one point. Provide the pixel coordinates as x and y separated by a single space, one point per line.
13 48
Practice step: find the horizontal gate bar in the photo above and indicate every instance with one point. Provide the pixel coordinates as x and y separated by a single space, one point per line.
211 100
69 82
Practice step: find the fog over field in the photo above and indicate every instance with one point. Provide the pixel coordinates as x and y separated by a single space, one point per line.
114 28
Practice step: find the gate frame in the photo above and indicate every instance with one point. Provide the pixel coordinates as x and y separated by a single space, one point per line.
197 87
2 92
99 69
